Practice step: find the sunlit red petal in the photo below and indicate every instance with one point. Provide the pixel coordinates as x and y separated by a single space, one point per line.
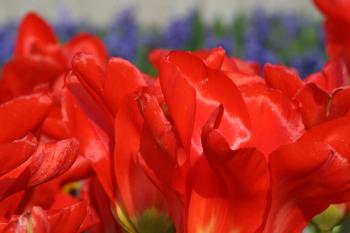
223 196
275 120
309 175
122 78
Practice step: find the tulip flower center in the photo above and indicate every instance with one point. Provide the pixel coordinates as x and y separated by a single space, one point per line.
328 220
150 221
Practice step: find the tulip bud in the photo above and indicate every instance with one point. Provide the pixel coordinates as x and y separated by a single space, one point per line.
329 218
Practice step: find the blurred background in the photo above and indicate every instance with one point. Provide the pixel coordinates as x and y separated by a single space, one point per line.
153 11
277 31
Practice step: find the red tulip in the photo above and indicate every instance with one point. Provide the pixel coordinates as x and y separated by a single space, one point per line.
91 105
39 59
247 103
215 59
336 25
161 138
265 107
320 97
40 62
309 175
37 164
170 156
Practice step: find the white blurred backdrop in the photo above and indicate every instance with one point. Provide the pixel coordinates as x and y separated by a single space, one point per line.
148 11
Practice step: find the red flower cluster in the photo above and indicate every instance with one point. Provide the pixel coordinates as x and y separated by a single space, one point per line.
207 146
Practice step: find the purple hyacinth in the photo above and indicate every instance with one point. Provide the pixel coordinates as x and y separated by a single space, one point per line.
256 39
256 51
151 39
7 40
122 36
178 32
66 27
260 25
309 63
292 24
226 42
285 32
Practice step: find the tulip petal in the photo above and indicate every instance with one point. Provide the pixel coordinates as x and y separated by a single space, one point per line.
16 152
163 160
156 55
336 27
33 31
270 109
80 170
38 221
313 105
122 78
334 9
21 75
71 219
340 103
86 43
246 67
214 58
97 198
333 75
212 88
52 159
241 79
91 77
22 114
282 78
53 124
181 101
308 176
48 161
137 191
87 123
223 197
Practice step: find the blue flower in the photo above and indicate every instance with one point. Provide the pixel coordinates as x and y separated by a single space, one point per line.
65 27
309 63
122 36
178 32
226 42
7 40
